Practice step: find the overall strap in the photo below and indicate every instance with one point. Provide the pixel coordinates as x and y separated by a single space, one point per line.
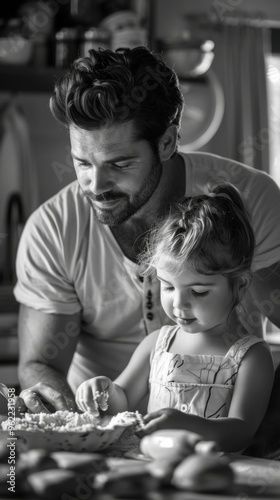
165 335
239 348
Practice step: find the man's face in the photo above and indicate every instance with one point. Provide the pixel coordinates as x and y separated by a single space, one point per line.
117 173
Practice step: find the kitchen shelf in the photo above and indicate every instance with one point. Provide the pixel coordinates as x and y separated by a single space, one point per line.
19 78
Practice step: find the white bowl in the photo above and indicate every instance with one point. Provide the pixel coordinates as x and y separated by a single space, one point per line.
98 435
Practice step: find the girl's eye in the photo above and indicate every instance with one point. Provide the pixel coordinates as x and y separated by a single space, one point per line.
199 294
167 288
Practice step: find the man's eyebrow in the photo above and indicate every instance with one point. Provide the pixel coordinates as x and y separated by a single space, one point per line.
121 158
111 160
77 158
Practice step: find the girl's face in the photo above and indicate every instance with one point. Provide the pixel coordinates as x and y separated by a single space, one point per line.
197 302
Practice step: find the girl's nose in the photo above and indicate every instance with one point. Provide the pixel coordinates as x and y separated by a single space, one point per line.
180 300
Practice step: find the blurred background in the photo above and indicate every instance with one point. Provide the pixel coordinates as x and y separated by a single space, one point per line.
226 54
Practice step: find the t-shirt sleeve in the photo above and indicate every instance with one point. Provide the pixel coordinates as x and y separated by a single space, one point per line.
265 209
42 279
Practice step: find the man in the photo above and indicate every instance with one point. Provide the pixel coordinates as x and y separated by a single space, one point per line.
84 308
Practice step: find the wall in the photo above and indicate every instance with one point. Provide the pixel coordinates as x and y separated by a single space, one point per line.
170 14
50 142
50 145
170 22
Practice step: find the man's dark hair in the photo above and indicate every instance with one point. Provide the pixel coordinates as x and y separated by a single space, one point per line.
110 87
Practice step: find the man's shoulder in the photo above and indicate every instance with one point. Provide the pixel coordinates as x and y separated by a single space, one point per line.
67 202
68 194
211 160
65 212
207 168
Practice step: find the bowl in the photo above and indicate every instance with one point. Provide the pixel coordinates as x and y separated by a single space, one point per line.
189 58
68 431
15 50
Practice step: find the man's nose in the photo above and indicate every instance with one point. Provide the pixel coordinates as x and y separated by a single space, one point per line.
100 180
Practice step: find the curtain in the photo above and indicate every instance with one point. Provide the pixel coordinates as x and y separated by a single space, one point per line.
243 74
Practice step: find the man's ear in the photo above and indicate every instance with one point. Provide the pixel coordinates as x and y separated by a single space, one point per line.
168 143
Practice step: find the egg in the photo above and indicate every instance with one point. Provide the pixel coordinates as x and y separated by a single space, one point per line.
203 473
169 444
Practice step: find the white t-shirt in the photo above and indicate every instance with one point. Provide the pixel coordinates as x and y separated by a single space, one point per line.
67 262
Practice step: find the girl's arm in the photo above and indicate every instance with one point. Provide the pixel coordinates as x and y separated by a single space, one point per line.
126 391
134 380
248 406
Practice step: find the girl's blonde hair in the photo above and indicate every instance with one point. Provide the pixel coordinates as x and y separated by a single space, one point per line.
212 232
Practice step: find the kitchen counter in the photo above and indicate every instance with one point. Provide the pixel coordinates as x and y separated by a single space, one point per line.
254 478
118 472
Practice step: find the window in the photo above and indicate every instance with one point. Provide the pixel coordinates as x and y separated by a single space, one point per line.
273 89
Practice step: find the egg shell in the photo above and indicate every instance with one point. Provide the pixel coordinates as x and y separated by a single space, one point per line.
35 460
134 483
53 483
203 473
163 469
206 447
88 463
169 443
4 486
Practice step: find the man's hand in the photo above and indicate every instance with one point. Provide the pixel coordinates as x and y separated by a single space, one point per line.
166 418
20 406
42 398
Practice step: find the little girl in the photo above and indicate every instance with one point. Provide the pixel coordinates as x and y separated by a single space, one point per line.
201 374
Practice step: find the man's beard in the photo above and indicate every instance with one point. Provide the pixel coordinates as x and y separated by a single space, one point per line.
128 205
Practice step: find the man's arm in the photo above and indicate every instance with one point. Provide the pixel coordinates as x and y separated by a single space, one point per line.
47 343
266 289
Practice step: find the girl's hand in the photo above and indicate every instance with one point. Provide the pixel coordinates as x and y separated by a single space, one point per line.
93 394
166 418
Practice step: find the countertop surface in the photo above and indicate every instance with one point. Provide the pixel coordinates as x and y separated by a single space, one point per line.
254 478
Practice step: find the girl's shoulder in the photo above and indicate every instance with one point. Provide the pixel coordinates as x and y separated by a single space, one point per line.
150 340
158 340
242 345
